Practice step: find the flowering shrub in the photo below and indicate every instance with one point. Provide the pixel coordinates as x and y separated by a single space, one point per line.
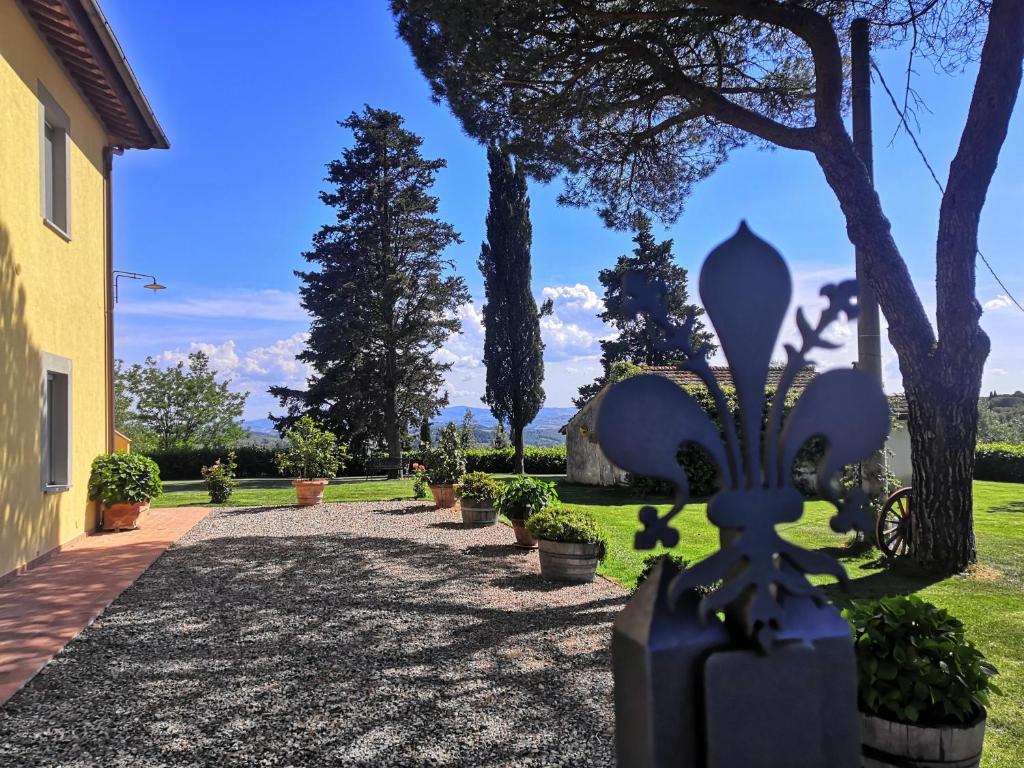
220 479
420 482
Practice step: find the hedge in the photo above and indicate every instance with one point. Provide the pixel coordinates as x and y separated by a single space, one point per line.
187 463
258 461
1003 462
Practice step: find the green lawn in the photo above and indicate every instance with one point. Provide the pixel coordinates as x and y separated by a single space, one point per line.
989 600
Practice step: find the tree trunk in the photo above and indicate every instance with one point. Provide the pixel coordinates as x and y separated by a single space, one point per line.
943 431
518 458
391 427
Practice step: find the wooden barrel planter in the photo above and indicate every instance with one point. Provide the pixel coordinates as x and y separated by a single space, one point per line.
444 495
477 512
568 561
309 492
524 539
885 743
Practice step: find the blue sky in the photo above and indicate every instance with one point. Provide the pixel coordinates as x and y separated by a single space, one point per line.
250 101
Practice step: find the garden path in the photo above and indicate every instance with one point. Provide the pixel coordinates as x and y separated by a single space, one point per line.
362 634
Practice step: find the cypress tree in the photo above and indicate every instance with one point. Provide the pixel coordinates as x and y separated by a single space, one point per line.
380 298
513 350
638 338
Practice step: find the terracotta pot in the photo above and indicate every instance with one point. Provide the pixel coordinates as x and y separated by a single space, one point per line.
444 495
309 492
886 743
120 517
524 539
477 512
569 561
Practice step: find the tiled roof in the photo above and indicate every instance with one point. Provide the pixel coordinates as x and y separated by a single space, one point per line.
724 376
81 39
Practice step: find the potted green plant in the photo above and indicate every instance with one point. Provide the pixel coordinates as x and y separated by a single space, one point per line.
922 686
123 484
220 478
476 494
312 456
571 544
446 464
521 498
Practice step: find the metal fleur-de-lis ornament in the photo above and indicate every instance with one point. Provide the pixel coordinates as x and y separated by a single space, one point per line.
761 578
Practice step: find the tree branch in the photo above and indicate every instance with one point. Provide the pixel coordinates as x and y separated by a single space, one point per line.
970 173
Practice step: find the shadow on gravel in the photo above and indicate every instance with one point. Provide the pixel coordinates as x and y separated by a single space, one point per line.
495 550
332 649
448 526
417 510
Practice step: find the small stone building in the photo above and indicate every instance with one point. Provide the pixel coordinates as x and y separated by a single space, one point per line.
587 464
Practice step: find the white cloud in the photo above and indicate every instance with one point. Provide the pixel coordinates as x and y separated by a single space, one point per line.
577 296
571 339
279 359
269 304
1000 301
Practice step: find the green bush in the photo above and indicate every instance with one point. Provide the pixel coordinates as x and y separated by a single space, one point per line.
478 486
649 563
446 461
524 496
1002 462
312 453
187 463
124 478
914 664
220 479
569 526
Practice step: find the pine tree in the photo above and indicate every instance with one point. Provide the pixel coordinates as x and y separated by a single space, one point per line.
638 338
379 296
513 350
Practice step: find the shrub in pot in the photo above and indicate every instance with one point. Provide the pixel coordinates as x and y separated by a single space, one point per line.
220 479
571 544
123 484
476 494
312 456
521 498
922 686
446 464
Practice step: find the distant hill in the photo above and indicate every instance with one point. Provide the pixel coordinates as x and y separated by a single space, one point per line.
261 432
542 432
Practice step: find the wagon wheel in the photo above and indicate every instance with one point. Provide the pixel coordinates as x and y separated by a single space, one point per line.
893 528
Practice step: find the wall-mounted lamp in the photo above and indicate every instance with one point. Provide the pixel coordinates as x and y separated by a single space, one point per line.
152 285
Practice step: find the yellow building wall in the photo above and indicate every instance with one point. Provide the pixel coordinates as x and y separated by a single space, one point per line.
52 298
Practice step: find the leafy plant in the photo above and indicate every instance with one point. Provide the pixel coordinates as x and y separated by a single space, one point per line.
220 478
420 482
124 478
914 664
446 461
312 453
524 496
569 526
478 486
649 563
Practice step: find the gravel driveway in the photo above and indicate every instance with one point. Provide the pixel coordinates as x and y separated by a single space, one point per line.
370 634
